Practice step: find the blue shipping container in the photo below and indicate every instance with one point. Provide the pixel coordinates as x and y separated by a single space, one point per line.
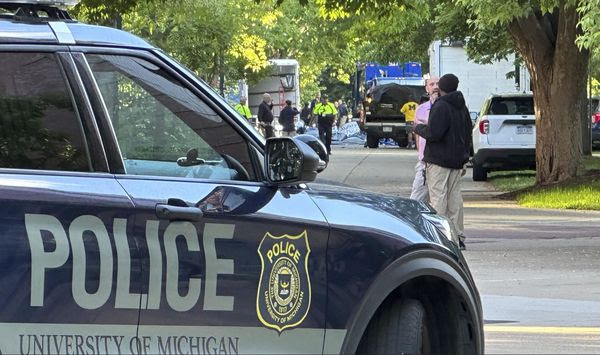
406 70
412 69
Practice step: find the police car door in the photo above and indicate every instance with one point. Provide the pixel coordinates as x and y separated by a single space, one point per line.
233 265
70 274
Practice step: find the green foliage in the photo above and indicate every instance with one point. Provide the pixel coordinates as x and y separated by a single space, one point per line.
317 39
487 42
104 12
202 44
590 24
398 35
486 13
235 38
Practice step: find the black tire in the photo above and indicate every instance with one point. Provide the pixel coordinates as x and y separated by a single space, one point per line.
372 141
479 173
398 327
402 142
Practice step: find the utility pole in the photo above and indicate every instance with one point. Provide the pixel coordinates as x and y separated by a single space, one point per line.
118 22
221 73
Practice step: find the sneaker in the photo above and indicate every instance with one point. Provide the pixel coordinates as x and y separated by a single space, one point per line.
461 245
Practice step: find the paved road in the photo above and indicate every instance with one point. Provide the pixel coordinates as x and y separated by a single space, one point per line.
537 270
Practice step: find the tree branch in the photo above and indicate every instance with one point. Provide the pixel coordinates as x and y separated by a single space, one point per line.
533 43
530 30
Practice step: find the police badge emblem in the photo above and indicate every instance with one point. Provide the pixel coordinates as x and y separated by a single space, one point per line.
284 291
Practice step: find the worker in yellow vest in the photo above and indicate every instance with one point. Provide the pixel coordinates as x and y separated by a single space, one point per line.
243 109
326 113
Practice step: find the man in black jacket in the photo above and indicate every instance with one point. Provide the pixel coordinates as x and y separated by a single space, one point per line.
448 136
286 119
265 116
305 114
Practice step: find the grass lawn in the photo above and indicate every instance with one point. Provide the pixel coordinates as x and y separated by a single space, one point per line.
512 180
592 163
583 196
581 193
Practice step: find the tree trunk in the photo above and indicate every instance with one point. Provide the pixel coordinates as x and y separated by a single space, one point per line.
558 70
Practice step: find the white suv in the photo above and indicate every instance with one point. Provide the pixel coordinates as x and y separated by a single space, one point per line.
504 135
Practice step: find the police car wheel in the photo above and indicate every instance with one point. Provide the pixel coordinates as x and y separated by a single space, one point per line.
398 327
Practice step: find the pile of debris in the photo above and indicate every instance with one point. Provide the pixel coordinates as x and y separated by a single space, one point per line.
349 133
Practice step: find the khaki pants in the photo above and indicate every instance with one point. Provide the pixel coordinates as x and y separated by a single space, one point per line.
420 192
445 194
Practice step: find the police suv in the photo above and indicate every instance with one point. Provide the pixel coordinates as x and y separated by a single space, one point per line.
504 135
139 214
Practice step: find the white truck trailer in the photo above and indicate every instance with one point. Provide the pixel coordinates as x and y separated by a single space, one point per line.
477 81
283 84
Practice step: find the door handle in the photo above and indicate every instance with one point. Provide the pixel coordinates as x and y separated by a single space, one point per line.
177 210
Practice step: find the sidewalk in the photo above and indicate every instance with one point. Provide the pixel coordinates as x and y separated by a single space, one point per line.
487 216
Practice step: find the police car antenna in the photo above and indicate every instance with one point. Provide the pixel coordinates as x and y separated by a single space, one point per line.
35 11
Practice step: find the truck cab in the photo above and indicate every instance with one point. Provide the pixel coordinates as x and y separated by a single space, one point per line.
383 117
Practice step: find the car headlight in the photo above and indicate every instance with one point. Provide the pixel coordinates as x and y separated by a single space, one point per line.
444 225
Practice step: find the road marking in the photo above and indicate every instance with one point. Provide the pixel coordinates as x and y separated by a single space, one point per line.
541 330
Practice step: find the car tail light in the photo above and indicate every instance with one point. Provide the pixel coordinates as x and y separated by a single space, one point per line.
597 117
484 126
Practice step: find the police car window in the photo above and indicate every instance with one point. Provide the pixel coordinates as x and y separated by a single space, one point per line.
39 127
162 128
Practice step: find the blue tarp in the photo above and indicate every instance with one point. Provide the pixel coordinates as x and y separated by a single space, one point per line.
349 134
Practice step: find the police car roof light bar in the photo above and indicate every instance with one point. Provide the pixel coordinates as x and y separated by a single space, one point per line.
36 10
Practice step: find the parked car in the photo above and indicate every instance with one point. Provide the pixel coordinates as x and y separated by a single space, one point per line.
596 135
140 213
595 110
504 135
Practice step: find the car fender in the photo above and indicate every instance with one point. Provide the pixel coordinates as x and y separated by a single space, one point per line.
479 140
416 264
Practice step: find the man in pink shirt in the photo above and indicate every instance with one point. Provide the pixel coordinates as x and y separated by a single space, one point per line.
419 188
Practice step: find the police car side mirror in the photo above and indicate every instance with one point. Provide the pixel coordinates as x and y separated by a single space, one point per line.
318 146
289 161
